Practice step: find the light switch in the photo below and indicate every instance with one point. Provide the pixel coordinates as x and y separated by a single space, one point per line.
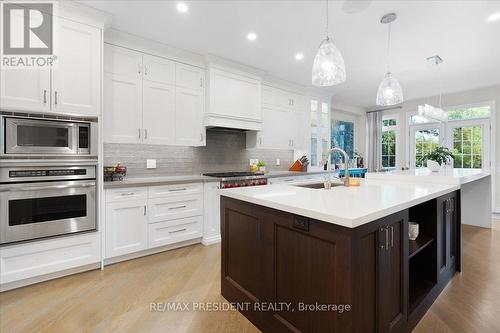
150 164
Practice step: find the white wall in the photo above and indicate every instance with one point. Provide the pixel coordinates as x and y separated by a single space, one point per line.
468 97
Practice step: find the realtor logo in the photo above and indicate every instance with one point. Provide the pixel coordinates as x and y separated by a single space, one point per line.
27 28
27 34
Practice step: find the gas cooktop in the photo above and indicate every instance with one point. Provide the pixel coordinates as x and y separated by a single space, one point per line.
233 174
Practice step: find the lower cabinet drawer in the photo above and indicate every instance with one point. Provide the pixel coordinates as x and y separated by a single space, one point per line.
175 207
27 260
168 232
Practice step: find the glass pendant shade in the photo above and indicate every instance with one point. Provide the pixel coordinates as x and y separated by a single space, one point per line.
389 91
328 67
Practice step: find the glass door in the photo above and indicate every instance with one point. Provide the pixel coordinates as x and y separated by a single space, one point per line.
469 140
423 140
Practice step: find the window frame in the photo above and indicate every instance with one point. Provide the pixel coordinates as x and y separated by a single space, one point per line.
319 135
396 129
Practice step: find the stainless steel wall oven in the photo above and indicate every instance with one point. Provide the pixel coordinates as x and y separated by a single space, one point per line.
43 201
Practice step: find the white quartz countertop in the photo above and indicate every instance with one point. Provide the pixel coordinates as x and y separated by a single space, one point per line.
344 206
454 176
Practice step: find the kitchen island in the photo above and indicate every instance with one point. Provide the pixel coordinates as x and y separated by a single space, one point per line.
475 189
338 260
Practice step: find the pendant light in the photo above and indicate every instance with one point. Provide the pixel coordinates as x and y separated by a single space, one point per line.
431 112
389 91
328 67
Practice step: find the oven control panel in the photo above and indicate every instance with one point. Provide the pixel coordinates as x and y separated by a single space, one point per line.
46 173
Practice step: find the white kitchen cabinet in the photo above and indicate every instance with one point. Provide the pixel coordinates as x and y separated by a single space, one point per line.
189 130
234 100
76 73
71 86
211 222
174 207
122 116
25 89
158 113
284 121
190 77
169 232
126 227
157 69
42 257
158 110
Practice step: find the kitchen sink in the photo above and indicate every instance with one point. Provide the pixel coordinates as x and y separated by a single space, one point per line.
318 186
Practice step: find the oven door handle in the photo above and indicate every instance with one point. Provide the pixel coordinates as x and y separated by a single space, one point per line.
48 187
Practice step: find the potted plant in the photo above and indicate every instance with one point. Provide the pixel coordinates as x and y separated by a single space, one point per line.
437 158
262 166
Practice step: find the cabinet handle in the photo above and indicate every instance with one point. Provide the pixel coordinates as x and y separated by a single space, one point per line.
392 235
55 97
201 82
44 96
177 189
145 210
177 207
201 137
145 133
127 193
260 141
173 232
146 70
139 68
139 133
292 142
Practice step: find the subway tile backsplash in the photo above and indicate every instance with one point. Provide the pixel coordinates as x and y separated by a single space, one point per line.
225 151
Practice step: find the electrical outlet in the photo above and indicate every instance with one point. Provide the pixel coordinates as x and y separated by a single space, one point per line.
278 162
150 164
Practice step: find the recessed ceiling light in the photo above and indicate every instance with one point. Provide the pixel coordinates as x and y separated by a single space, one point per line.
182 7
251 36
299 56
494 17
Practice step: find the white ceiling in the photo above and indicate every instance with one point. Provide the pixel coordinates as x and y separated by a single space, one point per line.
456 30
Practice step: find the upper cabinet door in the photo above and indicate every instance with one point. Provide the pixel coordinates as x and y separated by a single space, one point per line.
25 89
159 70
189 76
189 129
122 116
76 74
158 113
122 61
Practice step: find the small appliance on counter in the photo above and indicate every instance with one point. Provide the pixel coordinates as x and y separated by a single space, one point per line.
114 172
300 164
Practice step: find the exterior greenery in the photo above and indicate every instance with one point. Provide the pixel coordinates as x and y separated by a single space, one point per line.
342 136
388 149
469 113
439 155
467 147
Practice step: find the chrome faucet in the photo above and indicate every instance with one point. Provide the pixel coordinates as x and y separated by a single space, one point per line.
346 162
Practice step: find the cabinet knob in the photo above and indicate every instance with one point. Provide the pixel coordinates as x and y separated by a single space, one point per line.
45 96
55 97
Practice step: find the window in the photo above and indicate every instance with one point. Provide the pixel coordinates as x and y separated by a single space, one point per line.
473 112
320 131
342 137
466 133
426 141
389 133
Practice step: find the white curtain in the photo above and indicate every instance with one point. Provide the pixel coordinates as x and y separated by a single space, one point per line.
373 137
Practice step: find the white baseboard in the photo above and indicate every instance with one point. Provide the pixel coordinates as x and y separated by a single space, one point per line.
114 260
211 240
46 277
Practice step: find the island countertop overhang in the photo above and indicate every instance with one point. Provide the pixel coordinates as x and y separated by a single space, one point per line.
349 207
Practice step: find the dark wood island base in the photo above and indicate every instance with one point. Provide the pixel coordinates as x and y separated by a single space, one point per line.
290 273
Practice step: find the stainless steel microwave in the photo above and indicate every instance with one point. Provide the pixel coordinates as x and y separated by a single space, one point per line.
47 137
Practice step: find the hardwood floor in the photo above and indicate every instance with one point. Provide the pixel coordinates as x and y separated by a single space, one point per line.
119 298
